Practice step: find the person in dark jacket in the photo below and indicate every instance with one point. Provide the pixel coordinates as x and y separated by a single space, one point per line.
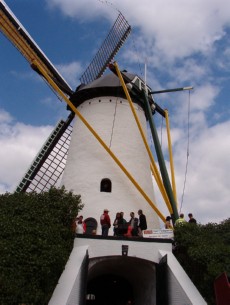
118 222
133 222
142 223
191 218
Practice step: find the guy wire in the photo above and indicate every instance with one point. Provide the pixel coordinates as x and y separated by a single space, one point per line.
114 116
187 159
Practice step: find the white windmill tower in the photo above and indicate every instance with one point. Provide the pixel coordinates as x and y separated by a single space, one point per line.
91 171
107 147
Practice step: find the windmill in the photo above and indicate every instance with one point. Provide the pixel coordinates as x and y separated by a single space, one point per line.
49 164
106 146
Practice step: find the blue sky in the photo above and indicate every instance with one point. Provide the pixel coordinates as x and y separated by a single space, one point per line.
183 43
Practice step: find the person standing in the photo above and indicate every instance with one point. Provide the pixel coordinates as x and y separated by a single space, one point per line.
191 218
122 216
180 221
105 223
116 223
80 225
142 223
133 222
123 225
168 223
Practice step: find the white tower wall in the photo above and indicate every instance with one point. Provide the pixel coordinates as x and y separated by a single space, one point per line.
88 162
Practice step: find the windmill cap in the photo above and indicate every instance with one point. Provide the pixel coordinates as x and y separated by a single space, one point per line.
104 86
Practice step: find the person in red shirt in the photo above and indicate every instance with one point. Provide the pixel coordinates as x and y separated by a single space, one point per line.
105 223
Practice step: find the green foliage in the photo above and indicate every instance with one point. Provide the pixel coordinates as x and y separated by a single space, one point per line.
204 253
36 241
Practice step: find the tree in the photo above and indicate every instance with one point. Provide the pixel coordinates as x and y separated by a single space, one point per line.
204 253
36 241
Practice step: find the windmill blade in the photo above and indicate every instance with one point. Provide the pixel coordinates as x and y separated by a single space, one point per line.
20 38
114 40
47 167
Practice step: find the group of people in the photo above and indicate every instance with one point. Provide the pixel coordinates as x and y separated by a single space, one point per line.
121 227
179 221
133 227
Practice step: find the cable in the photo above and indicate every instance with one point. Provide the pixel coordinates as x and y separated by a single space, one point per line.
188 142
114 116
137 53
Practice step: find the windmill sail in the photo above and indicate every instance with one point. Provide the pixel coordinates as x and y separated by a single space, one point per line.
49 164
114 40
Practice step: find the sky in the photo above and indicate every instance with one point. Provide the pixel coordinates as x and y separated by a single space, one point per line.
181 43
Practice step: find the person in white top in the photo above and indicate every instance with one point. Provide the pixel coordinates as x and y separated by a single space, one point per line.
80 225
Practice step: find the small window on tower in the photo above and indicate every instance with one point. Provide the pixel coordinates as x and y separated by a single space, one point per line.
106 185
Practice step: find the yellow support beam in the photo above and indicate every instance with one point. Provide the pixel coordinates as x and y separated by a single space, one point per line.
84 121
153 164
171 156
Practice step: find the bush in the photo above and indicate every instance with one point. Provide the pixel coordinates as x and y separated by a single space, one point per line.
36 241
203 251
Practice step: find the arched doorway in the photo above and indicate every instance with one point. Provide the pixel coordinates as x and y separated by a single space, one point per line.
109 289
114 280
91 225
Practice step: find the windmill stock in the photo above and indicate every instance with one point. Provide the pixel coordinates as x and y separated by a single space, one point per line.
100 152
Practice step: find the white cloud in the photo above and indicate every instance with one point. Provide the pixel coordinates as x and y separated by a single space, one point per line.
5 117
189 71
84 10
207 191
206 150
19 145
204 97
71 72
180 28
174 29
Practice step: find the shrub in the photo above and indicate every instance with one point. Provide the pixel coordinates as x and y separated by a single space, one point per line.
36 241
203 251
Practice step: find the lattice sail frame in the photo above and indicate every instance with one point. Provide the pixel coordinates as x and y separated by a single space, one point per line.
114 40
48 166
